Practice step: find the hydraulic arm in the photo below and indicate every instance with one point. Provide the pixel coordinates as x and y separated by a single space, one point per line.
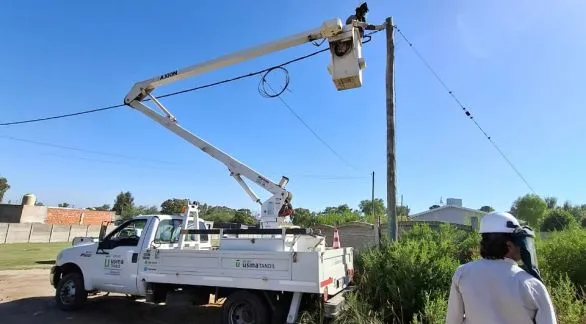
345 67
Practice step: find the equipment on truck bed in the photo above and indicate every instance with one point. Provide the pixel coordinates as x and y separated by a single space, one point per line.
346 65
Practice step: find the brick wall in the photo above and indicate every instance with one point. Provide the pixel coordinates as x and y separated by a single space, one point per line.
68 216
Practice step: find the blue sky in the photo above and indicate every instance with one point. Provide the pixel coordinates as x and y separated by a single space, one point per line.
518 67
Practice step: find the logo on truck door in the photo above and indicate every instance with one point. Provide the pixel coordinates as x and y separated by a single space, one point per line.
113 264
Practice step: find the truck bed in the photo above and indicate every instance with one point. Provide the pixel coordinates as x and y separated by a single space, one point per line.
307 272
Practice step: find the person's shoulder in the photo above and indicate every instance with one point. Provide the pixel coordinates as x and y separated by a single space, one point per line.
526 279
529 283
461 269
471 264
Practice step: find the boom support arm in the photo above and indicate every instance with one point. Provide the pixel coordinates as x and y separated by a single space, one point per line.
236 168
346 70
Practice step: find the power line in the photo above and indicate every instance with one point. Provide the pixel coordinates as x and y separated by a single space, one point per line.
331 177
82 149
169 94
368 38
313 176
183 168
466 111
308 127
60 116
263 91
118 163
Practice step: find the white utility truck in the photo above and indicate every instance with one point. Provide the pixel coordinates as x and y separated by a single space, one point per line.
263 272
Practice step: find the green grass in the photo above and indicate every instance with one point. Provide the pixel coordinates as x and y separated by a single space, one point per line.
29 255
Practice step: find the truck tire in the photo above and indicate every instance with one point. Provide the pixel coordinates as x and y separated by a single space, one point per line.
244 307
70 293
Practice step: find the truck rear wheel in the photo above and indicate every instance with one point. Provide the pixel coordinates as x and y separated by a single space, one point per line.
243 307
70 293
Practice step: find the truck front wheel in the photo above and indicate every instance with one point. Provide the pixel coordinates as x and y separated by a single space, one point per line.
70 293
243 307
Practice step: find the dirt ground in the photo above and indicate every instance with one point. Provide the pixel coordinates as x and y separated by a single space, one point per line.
26 297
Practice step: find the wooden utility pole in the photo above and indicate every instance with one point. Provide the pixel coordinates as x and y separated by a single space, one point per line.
375 217
391 163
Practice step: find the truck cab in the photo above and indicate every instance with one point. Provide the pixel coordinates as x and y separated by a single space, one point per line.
111 264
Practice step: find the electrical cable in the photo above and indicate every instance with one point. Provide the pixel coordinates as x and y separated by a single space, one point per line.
263 82
83 150
277 94
309 128
261 88
464 109
321 177
300 58
60 116
180 169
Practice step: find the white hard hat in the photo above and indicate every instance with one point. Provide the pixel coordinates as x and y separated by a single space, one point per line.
498 222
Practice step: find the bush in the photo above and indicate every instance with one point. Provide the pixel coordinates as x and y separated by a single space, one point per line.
358 311
408 281
399 278
434 310
557 220
568 301
563 254
458 243
336 218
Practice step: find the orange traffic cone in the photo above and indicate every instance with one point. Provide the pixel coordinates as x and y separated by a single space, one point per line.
336 243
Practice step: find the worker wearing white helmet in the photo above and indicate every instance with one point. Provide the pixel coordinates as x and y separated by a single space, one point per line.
495 289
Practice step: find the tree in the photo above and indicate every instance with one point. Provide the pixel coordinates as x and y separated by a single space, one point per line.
530 208
366 207
551 202
218 214
434 206
244 216
173 206
64 205
486 209
335 216
341 209
124 204
104 207
403 211
38 203
567 205
303 217
4 186
144 210
578 213
557 219
203 208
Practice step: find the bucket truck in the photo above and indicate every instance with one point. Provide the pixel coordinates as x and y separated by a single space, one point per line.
262 272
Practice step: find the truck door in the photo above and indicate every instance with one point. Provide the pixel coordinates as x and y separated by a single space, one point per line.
116 261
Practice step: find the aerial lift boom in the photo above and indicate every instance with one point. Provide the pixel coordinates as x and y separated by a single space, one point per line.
345 68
